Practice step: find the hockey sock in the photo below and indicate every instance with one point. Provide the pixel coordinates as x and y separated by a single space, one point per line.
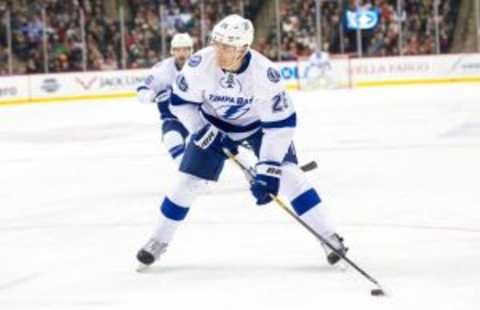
308 206
171 216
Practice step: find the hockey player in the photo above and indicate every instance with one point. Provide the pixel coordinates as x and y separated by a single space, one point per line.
318 69
157 88
225 95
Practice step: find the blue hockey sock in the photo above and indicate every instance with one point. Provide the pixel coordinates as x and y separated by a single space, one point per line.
305 201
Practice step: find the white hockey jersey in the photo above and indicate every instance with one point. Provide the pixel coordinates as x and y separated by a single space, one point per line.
238 104
157 87
319 59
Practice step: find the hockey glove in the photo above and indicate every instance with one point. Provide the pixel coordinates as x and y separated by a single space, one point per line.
210 138
266 181
145 95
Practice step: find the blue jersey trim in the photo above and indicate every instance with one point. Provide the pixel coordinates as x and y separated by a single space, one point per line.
227 127
164 109
142 87
177 151
269 162
173 211
305 201
245 63
290 121
163 102
177 100
173 124
162 92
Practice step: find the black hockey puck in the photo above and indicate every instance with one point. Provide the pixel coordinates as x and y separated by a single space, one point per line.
377 292
309 166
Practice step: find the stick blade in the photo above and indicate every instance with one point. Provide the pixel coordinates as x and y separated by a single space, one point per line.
309 166
380 292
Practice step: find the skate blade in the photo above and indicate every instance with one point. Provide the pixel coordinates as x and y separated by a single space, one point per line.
141 267
342 266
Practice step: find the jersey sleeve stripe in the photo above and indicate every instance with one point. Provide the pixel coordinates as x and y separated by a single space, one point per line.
177 100
163 91
163 95
290 121
142 87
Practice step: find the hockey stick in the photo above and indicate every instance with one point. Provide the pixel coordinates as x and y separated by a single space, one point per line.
312 165
378 291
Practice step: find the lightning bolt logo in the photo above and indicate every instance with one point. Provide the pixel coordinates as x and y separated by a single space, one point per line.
233 112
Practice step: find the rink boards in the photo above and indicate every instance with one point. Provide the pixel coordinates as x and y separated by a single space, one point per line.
345 73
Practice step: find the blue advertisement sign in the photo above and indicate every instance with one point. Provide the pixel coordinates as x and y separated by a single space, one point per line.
362 19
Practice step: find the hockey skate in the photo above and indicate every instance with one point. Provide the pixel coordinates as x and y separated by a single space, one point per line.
337 242
149 253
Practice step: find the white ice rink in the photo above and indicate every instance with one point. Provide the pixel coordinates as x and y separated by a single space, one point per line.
81 183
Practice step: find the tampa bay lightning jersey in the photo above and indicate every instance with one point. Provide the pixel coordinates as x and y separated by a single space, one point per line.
319 59
158 85
237 103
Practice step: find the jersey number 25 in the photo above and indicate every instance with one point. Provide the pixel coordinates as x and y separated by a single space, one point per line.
280 102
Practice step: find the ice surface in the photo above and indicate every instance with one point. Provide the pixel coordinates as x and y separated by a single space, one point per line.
80 186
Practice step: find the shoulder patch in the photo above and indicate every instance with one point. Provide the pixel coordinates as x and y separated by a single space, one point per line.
273 75
195 61
149 79
182 83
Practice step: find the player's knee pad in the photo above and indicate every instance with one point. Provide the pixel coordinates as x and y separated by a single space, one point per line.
186 189
169 125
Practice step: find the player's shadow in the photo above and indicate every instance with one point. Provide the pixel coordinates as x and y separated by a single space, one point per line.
233 268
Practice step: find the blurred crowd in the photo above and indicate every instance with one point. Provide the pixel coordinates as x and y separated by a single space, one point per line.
65 35
416 17
102 34
144 32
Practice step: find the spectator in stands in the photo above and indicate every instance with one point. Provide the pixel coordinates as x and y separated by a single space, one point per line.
298 20
144 35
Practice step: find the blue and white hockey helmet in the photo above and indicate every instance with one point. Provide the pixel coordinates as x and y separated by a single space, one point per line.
233 30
